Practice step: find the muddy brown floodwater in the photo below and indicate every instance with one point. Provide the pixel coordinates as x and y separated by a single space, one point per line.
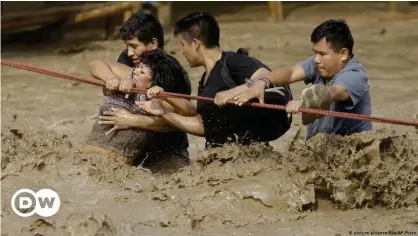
329 186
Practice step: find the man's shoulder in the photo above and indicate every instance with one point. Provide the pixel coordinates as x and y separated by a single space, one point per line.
242 63
354 67
357 72
354 70
125 59
353 78
234 58
308 65
310 60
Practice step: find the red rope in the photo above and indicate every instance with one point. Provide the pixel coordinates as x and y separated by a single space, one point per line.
166 94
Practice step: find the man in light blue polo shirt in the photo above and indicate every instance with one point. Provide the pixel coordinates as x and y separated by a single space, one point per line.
333 67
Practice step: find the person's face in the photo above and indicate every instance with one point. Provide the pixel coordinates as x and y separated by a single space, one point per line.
136 48
190 50
328 62
143 76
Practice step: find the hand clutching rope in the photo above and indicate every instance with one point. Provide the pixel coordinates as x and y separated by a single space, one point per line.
307 113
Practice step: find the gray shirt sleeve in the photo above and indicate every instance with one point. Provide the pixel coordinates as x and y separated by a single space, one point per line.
310 69
356 84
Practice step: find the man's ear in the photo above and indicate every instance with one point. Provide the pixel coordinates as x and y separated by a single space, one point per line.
154 43
344 54
196 44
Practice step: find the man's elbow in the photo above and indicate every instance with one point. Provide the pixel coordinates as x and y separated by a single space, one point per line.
259 73
199 132
282 76
156 124
95 66
189 113
188 110
339 93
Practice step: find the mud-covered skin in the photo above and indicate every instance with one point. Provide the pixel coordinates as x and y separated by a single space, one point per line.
316 96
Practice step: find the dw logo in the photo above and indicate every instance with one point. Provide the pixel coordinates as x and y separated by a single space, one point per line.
45 202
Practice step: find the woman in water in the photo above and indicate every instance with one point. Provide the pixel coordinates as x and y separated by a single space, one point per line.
141 139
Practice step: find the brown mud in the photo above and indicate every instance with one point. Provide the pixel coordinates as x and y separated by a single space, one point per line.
228 187
329 186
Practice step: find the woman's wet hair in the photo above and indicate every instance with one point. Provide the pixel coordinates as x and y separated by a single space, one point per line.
166 72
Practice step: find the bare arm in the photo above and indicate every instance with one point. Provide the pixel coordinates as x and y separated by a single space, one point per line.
124 118
286 75
153 123
192 125
105 71
222 97
339 93
239 89
181 106
110 73
279 77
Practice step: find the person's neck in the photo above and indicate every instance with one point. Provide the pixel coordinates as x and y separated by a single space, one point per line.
348 60
210 58
327 80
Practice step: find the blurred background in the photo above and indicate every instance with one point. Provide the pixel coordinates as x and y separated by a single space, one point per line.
67 36
48 21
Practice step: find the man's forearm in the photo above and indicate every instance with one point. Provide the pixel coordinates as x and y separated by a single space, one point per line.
101 70
280 76
153 123
239 89
191 125
182 106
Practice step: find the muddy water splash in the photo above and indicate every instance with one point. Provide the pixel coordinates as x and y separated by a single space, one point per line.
231 186
363 170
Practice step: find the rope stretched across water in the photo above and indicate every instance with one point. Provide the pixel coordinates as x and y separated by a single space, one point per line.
176 95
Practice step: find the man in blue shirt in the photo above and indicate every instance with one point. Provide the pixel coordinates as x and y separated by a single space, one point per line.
334 66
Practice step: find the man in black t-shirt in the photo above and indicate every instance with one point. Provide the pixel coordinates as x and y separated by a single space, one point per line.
143 33
220 123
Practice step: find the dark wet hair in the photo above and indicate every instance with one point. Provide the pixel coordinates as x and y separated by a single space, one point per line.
200 25
144 27
335 32
166 72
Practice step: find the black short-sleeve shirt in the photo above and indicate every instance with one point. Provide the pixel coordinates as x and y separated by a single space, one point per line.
125 59
229 123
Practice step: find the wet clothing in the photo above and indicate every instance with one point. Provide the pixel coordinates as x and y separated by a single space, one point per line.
130 143
232 123
166 143
354 78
